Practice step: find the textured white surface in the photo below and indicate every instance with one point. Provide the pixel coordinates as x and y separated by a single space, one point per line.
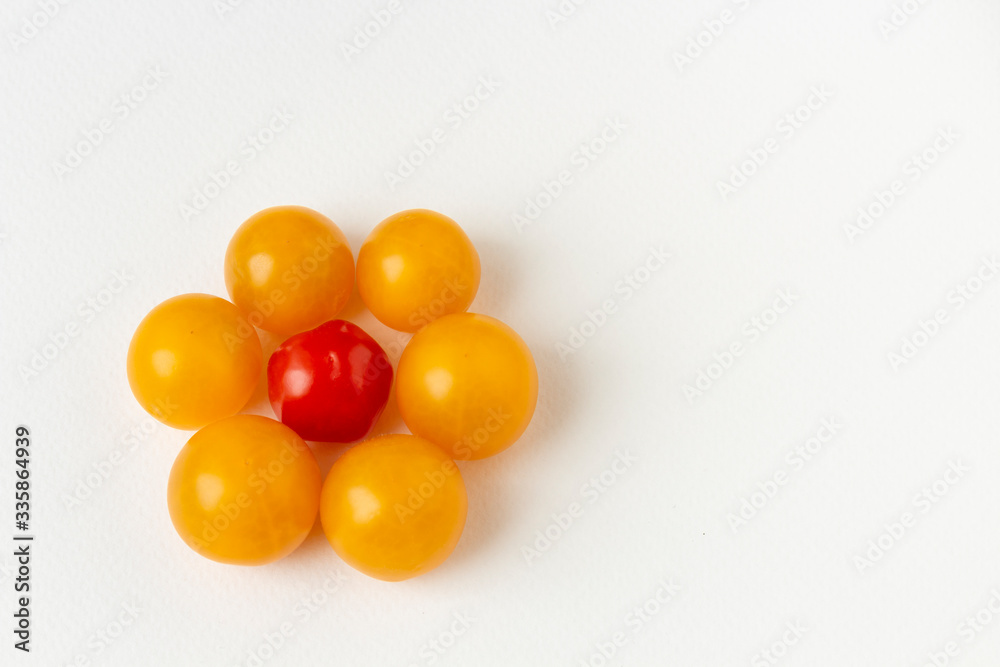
666 518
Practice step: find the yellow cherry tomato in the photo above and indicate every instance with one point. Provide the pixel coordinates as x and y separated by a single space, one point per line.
244 490
394 507
192 360
468 384
415 267
289 269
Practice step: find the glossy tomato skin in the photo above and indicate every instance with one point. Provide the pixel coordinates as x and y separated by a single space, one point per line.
192 360
331 383
468 383
415 267
244 490
288 269
394 507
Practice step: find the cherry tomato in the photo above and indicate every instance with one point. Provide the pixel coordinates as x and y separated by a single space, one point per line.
416 266
289 268
468 384
394 507
192 360
330 383
244 490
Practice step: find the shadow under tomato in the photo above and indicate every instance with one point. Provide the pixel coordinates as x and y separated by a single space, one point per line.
492 482
354 307
259 404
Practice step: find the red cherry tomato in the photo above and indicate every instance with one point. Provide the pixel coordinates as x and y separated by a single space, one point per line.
330 383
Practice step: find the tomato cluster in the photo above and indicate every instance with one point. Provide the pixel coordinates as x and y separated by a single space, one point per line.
246 489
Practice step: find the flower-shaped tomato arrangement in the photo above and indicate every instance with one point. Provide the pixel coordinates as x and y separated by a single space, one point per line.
246 489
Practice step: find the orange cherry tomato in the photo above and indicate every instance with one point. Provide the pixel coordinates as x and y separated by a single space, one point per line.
192 360
244 490
394 507
289 269
467 383
415 267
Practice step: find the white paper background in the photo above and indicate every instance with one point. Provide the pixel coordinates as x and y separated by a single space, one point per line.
666 517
